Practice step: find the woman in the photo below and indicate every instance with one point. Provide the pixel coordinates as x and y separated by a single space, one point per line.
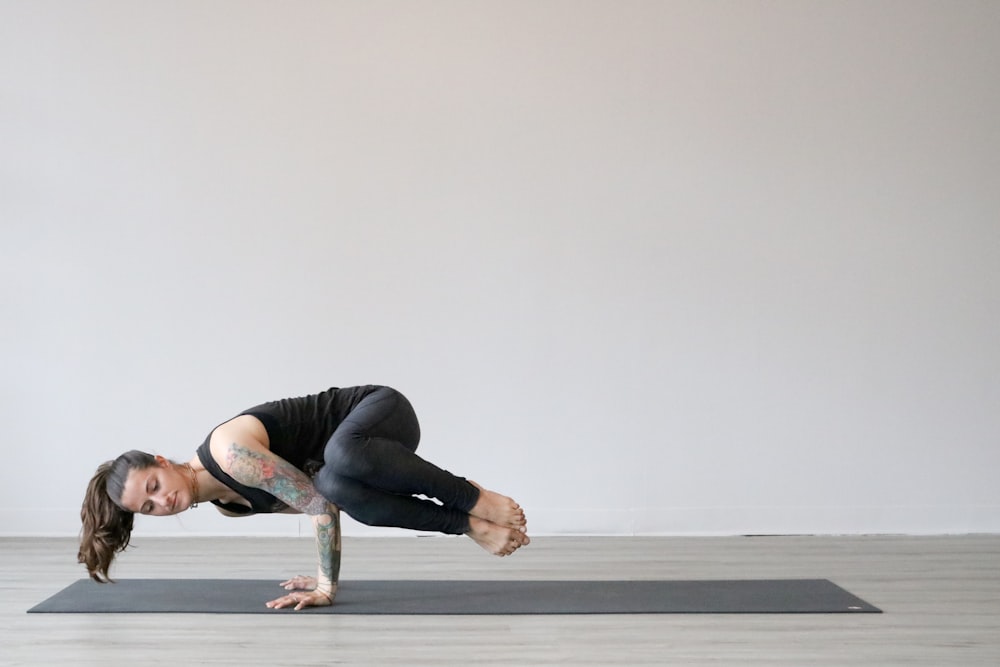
351 448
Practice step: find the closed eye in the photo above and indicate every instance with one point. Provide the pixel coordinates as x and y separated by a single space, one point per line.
152 484
149 505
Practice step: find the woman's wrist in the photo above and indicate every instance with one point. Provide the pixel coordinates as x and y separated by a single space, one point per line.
326 589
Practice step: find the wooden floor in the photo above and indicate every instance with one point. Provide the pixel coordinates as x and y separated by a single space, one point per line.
941 597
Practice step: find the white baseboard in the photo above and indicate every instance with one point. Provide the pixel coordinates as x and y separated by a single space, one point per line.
692 521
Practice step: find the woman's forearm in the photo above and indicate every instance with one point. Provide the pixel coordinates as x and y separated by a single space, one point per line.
327 527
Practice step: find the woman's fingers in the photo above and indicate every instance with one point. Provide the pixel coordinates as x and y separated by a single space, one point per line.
284 601
301 600
278 603
299 582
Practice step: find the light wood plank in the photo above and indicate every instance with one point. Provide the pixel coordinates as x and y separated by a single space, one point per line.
941 596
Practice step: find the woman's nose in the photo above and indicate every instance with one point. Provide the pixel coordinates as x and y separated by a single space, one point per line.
162 500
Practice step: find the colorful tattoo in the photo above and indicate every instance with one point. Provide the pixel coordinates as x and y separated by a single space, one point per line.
276 476
328 544
287 483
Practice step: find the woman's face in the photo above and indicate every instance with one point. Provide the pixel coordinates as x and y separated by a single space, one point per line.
158 490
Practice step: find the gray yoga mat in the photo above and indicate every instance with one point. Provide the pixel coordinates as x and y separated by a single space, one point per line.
235 596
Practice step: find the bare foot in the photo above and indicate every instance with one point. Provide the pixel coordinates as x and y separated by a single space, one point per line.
498 540
498 509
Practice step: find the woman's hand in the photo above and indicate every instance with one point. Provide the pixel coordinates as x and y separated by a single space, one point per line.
299 583
302 598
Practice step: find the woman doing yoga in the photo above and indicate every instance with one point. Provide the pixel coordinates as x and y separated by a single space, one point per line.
351 448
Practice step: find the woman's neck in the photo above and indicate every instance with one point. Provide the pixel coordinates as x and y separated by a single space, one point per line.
209 488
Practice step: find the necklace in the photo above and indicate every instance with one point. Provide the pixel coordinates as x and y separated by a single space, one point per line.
194 486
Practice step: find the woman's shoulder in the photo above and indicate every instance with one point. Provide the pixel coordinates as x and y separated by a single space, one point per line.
245 430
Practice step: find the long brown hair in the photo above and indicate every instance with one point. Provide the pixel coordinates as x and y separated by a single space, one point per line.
107 526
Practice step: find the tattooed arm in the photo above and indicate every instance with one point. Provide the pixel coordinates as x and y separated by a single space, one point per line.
254 465
327 527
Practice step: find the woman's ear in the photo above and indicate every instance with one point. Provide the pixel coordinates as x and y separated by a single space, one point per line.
162 462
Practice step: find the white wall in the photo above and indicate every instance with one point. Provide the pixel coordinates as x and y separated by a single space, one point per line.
650 267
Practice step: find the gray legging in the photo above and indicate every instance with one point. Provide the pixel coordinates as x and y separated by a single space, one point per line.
372 472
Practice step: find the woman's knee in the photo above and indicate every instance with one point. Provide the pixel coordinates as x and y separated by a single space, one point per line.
388 414
347 454
352 497
332 487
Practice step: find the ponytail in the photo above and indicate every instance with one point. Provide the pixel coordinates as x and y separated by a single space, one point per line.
107 527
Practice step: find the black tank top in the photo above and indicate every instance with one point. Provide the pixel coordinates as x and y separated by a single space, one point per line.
297 431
